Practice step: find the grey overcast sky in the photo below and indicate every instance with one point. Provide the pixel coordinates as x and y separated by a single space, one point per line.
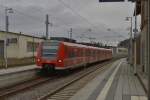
88 18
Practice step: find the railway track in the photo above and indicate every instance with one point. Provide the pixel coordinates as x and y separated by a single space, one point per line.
24 86
67 90
64 89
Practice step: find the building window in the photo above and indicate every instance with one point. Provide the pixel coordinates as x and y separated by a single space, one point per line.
31 46
12 40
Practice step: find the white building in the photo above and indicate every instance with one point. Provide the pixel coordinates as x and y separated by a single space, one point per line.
18 45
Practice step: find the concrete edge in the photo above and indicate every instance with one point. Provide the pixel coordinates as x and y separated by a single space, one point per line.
142 83
13 71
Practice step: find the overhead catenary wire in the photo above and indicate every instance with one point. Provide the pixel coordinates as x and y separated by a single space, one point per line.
67 6
23 14
33 17
29 16
76 13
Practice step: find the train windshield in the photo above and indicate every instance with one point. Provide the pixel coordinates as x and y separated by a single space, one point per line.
50 49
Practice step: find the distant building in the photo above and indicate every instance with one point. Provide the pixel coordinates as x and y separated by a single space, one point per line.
18 45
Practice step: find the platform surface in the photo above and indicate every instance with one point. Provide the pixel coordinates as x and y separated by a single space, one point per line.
17 69
116 83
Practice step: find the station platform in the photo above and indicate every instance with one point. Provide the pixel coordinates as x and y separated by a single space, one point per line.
17 69
116 83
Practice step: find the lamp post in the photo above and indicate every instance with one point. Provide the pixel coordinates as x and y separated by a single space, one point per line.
131 44
148 46
7 10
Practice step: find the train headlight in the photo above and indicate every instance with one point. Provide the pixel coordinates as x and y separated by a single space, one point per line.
59 61
38 60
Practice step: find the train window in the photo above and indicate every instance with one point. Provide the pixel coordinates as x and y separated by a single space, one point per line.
98 52
89 52
76 51
79 52
82 53
85 52
49 55
66 51
93 52
51 43
50 49
72 53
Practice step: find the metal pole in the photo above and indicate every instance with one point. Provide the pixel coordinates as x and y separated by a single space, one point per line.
6 30
135 33
148 46
33 47
131 44
7 10
135 71
47 24
70 33
7 20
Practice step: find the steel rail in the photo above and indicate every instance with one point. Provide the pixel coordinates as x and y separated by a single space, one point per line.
101 67
21 87
36 82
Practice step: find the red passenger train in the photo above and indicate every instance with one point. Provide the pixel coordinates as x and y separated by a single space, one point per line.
58 55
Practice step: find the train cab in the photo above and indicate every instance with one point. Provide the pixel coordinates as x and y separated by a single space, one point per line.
47 54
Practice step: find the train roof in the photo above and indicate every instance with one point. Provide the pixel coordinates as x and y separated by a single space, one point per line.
84 46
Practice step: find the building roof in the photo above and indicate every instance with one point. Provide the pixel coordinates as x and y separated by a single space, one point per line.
21 34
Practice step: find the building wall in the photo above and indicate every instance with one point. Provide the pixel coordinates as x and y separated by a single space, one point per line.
144 27
23 43
138 50
12 48
18 45
143 48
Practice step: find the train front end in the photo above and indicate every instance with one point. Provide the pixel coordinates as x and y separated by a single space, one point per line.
47 55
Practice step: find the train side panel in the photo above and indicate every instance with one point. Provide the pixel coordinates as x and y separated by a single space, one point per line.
70 55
